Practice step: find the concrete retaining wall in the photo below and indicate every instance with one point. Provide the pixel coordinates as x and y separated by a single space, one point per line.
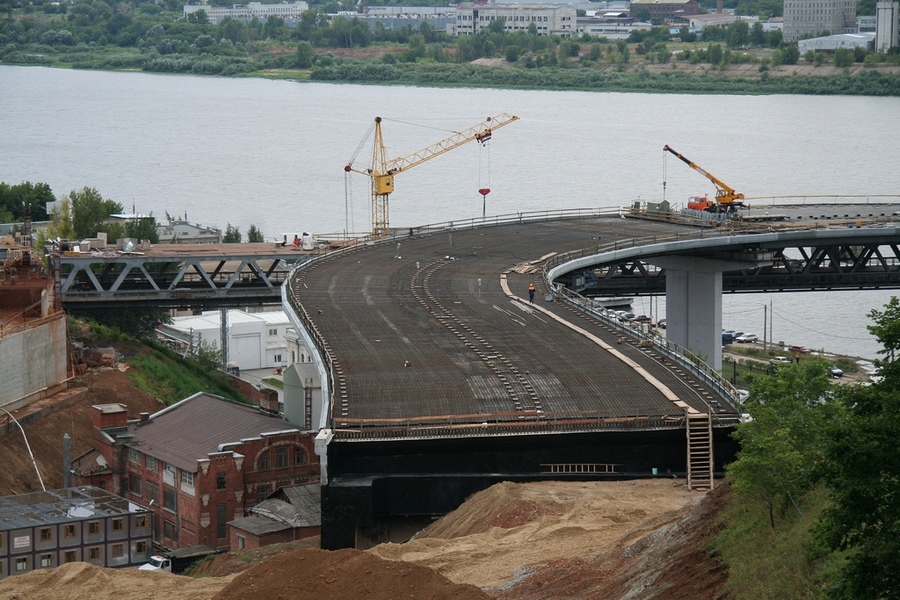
32 361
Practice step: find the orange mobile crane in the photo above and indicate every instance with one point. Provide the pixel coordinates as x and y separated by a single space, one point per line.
727 200
382 171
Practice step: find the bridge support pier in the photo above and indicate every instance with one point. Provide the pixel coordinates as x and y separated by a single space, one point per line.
694 312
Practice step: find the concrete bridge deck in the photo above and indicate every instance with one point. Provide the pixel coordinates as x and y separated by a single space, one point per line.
425 332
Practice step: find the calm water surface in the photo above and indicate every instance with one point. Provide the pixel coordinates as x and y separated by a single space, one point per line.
271 153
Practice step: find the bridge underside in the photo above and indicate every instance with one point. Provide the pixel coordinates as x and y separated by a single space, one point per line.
378 481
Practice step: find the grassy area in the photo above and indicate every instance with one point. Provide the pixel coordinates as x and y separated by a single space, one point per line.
174 379
275 383
780 562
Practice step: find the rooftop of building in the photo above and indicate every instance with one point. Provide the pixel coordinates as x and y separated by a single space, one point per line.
212 319
288 507
60 506
197 426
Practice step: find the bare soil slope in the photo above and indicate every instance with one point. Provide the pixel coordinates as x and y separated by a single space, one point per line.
570 540
102 386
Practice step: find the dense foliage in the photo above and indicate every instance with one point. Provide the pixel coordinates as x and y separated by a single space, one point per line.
811 443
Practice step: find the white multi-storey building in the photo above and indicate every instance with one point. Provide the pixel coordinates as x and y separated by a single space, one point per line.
246 12
548 19
887 24
812 17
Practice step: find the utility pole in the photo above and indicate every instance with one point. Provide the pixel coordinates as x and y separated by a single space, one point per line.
765 324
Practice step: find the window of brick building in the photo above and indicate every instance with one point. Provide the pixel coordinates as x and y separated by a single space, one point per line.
152 465
262 491
169 498
221 520
152 492
299 456
281 457
134 484
263 463
221 481
134 456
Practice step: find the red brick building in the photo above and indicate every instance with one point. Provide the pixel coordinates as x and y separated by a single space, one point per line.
197 464
665 10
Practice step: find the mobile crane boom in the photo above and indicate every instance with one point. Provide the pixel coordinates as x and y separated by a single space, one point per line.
382 171
726 198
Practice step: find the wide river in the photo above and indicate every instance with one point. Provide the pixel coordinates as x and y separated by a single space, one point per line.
271 153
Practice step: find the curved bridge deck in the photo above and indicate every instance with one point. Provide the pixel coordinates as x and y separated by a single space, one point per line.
436 333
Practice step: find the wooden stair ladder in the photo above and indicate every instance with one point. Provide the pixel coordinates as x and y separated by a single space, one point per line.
699 451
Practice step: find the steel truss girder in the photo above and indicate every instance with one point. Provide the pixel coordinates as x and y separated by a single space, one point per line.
795 268
169 282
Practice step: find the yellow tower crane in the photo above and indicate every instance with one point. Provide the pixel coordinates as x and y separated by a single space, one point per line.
382 171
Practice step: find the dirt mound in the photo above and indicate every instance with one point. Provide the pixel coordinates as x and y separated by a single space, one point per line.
322 575
81 581
500 535
665 558
229 563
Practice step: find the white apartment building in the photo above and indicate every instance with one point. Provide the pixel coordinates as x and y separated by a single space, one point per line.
549 19
246 12
812 17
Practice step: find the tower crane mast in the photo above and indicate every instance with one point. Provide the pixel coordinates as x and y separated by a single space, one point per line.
727 200
381 171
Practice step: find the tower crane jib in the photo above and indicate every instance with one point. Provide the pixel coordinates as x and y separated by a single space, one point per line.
382 171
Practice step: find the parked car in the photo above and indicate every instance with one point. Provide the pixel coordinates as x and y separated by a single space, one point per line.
835 372
642 319
727 338
661 324
780 360
745 338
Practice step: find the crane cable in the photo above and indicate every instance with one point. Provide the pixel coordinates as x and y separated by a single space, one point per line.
665 175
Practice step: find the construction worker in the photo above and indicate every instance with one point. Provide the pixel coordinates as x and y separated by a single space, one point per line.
531 290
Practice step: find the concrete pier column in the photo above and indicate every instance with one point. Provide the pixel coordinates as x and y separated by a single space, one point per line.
694 312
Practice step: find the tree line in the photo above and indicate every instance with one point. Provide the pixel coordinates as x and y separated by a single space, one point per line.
809 439
84 213
157 37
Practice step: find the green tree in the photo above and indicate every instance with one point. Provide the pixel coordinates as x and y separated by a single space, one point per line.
864 474
254 235
843 57
142 228
13 199
738 34
790 54
782 447
90 212
306 55
232 235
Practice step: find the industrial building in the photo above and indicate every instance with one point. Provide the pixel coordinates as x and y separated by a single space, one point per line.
887 25
548 19
830 43
249 11
195 479
812 17
255 340
663 11
41 530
